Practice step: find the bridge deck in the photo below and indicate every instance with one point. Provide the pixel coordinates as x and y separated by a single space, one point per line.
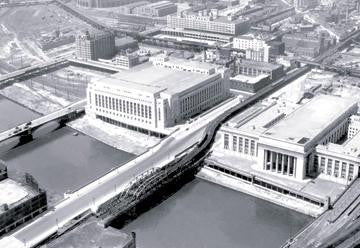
78 106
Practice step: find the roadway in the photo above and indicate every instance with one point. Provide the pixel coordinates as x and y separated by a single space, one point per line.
77 106
332 224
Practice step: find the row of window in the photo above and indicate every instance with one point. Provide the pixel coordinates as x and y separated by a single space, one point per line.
197 99
241 145
333 167
123 106
265 185
335 135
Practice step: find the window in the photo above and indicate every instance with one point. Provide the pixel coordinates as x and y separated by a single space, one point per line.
240 144
351 171
226 141
234 142
316 163
252 148
246 150
329 166
96 100
336 168
142 110
322 165
343 169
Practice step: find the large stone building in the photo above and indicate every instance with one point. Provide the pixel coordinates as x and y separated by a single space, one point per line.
19 202
157 9
309 45
95 45
284 139
256 49
256 68
158 94
206 21
103 3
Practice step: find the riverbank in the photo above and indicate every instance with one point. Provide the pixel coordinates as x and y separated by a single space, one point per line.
117 137
228 181
42 101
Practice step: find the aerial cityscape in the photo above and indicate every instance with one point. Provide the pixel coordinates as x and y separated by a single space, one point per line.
179 123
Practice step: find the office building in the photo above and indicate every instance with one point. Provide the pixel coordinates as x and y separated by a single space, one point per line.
158 94
310 45
19 201
157 9
255 48
354 126
197 35
209 21
249 84
95 45
256 68
126 61
283 139
129 8
103 3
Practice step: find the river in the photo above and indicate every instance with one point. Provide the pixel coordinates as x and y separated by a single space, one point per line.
206 215
59 161
201 214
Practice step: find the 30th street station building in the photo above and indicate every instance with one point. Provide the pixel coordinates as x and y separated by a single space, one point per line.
295 141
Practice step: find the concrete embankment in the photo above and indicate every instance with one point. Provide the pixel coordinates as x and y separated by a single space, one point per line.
237 184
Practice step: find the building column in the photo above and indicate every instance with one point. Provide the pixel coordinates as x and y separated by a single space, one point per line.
282 163
265 159
347 171
295 165
288 167
277 162
326 166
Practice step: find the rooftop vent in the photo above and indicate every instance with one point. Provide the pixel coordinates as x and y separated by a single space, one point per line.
303 140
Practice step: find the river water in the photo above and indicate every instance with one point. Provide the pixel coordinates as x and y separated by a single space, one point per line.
59 161
201 214
206 215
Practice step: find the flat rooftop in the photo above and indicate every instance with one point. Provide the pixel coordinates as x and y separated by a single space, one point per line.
351 147
151 79
249 79
260 64
310 119
259 118
12 192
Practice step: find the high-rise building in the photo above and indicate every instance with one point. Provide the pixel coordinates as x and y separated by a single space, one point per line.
95 45
255 48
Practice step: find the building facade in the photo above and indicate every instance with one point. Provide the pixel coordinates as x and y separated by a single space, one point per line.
207 21
255 49
159 94
157 9
256 68
95 45
281 142
103 3
26 202
354 126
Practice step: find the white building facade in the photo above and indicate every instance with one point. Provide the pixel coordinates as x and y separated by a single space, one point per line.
256 49
156 95
284 140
